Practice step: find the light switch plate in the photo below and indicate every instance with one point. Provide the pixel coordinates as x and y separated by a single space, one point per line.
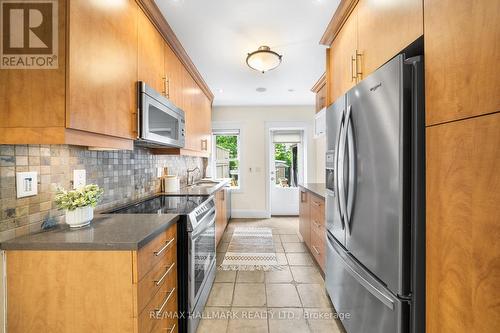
79 178
26 184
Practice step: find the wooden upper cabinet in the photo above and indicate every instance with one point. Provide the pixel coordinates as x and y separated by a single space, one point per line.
386 28
320 89
150 55
463 230
342 74
32 100
102 71
174 75
462 48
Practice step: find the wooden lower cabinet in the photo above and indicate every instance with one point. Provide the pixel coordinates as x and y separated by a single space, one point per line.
463 226
222 214
304 213
94 291
312 225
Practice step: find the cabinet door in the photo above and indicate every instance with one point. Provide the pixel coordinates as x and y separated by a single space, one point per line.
150 56
462 48
304 217
342 50
206 124
102 70
174 74
385 29
463 226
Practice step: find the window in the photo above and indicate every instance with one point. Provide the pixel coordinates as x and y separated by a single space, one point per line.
285 164
226 156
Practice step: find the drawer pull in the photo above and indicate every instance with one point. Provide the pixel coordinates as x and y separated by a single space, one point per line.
316 223
316 203
159 311
157 253
171 329
315 250
158 282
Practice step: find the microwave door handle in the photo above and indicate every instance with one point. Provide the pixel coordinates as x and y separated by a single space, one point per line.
337 172
351 189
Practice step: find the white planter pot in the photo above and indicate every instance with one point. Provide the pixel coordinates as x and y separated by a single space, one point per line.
79 217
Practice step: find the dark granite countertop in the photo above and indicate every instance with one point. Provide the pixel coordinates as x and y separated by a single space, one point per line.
205 190
315 188
106 232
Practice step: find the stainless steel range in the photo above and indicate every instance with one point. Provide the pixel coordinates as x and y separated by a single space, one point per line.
196 249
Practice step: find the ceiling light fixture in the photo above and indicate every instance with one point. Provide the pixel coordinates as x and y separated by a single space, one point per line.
263 59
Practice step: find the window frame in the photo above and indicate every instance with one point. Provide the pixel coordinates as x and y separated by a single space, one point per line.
228 128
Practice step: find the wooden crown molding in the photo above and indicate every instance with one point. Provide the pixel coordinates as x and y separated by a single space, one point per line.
155 15
339 17
319 84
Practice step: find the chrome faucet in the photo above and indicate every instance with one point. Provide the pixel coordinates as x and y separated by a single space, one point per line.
190 172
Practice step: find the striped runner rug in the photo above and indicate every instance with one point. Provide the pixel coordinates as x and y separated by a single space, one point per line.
251 249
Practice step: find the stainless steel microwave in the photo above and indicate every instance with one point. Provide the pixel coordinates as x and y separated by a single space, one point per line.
160 123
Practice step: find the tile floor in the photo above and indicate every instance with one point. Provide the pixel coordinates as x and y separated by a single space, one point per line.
290 300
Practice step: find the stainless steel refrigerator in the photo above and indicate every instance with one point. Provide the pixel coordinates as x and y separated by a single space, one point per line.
375 203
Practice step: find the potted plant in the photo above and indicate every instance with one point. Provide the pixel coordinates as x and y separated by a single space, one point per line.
79 204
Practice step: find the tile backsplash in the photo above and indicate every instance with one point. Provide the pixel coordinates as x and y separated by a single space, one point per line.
124 175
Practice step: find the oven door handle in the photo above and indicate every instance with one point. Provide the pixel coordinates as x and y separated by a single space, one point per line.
199 230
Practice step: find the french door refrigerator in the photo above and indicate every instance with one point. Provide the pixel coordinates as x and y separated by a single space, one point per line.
375 270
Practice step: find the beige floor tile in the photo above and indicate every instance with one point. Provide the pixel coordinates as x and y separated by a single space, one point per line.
215 319
287 231
282 295
248 320
281 259
249 295
250 277
323 320
278 247
313 295
294 247
299 259
225 276
287 320
221 294
289 238
276 238
306 274
282 276
226 237
219 258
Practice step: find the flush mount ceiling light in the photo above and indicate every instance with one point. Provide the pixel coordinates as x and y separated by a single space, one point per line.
263 59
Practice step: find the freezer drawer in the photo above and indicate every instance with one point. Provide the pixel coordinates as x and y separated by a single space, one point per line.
365 304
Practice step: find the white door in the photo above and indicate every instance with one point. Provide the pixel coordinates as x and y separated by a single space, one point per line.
286 156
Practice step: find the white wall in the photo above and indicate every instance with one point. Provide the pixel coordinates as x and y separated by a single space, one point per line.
251 201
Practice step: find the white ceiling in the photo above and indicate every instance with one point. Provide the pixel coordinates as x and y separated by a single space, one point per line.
218 34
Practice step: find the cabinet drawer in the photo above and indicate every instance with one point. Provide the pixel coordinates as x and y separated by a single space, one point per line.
317 209
162 306
153 252
156 278
318 245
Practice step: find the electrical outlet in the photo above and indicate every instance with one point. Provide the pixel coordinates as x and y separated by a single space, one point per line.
79 178
26 184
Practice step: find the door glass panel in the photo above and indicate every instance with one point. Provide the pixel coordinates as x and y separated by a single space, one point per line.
162 123
285 164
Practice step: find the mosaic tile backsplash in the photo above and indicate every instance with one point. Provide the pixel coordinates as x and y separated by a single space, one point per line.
125 176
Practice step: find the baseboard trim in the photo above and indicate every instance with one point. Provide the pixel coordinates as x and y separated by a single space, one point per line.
249 214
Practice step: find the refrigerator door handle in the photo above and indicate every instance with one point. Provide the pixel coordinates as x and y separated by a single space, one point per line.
337 168
340 169
361 280
351 189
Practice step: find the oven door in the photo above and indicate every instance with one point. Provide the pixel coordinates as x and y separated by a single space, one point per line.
161 122
201 258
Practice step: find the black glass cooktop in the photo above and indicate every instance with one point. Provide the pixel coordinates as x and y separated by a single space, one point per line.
163 204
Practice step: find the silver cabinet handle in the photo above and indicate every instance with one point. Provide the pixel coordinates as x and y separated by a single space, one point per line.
159 311
158 282
157 253
171 329
315 249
